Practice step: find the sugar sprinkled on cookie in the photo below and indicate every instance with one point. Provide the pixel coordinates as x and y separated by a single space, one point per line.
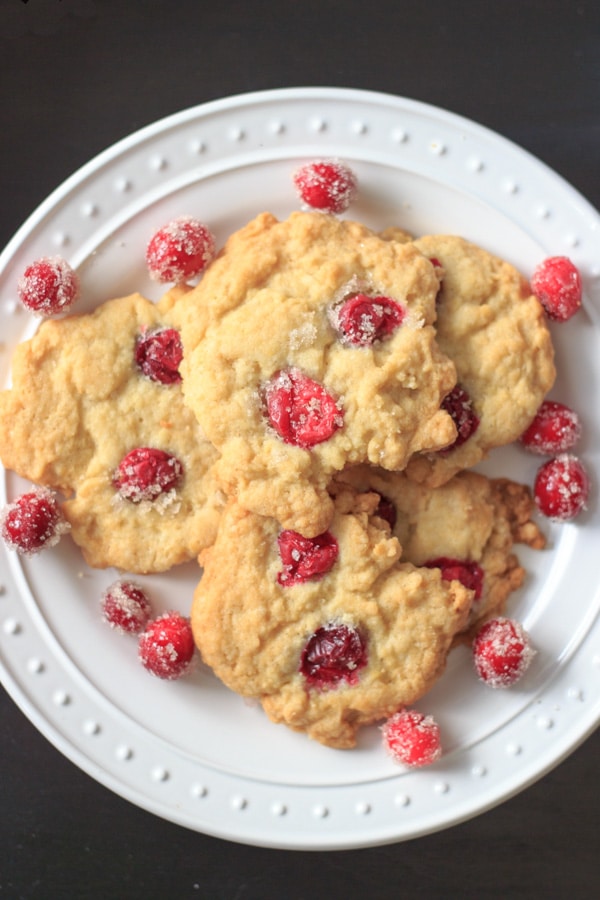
262 324
80 409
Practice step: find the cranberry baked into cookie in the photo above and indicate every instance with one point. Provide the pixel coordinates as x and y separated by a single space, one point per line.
329 633
466 527
96 412
309 344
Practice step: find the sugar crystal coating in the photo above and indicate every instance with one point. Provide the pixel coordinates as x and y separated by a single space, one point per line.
556 283
361 320
126 607
502 652
32 522
561 488
145 473
300 410
158 355
180 250
555 429
166 647
48 286
326 185
304 558
412 738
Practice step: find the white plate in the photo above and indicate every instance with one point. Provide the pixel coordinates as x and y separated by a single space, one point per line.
191 751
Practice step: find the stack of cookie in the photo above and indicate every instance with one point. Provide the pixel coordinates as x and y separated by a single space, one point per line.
347 379
302 422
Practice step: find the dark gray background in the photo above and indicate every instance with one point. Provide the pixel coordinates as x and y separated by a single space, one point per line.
77 75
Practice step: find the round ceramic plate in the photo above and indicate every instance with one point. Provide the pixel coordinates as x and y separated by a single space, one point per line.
191 751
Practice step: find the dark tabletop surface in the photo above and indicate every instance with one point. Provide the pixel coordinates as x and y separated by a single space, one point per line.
77 75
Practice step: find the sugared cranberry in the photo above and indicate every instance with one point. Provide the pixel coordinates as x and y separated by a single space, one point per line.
145 473
361 320
335 653
327 185
502 652
459 407
556 283
300 410
126 607
166 647
32 522
48 286
555 429
180 250
412 738
158 355
561 488
469 573
305 559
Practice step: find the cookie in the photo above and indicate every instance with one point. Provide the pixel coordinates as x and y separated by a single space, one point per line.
329 634
309 344
87 391
496 333
467 527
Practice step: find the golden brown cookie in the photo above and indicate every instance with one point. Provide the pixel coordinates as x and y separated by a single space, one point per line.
329 634
80 404
466 527
495 331
309 344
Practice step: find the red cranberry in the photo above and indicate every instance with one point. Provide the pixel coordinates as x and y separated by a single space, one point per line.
555 429
502 652
362 320
126 607
556 283
180 250
412 739
561 488
145 473
305 559
327 185
158 355
335 653
48 286
459 407
300 410
32 522
469 573
166 647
